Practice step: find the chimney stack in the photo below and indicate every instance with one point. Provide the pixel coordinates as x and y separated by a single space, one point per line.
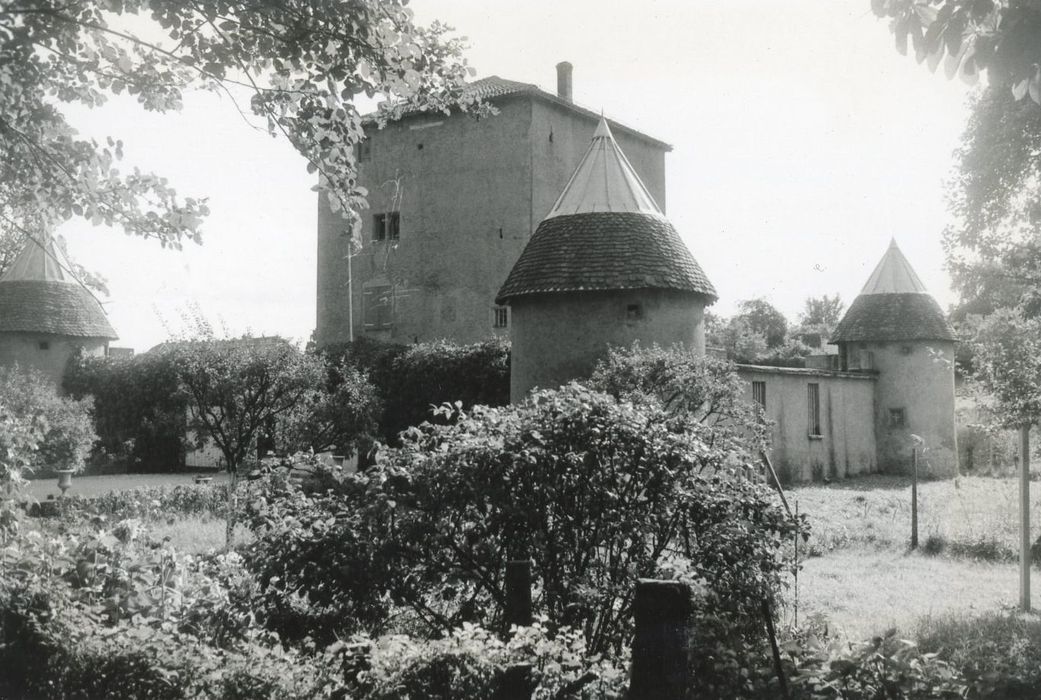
564 80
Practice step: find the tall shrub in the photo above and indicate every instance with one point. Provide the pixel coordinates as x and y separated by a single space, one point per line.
706 390
413 379
66 427
138 411
597 491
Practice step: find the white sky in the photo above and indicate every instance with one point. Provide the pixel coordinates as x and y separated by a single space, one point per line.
802 143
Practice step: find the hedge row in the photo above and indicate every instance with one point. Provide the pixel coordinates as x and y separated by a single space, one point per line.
412 379
138 415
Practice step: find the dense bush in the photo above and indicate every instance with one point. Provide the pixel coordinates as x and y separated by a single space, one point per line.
412 379
64 426
705 390
97 613
598 491
139 414
340 415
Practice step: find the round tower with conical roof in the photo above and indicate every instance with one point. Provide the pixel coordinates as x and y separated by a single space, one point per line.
46 314
897 329
604 268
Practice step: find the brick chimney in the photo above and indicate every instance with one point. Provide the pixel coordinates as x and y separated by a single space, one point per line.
564 80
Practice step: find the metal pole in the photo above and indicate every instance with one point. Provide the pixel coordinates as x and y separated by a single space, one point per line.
350 288
1024 518
914 497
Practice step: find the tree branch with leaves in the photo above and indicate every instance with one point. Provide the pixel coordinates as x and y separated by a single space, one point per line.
304 62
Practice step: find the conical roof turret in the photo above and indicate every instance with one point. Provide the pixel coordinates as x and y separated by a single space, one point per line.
605 232
40 294
893 306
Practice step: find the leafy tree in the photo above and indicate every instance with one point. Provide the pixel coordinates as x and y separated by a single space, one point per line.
822 311
993 247
1001 37
1007 360
302 63
237 389
341 415
138 410
763 318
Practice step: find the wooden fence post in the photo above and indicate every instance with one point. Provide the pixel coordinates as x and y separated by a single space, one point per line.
661 668
516 682
1024 518
914 497
518 594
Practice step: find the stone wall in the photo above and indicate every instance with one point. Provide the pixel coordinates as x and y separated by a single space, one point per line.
560 337
845 443
469 193
49 354
915 397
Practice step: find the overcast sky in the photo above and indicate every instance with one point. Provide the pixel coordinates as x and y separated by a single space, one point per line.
802 142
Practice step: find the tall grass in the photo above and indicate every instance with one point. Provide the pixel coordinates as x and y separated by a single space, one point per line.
970 517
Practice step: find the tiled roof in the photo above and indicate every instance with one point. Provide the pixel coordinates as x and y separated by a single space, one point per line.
493 86
891 317
47 306
604 251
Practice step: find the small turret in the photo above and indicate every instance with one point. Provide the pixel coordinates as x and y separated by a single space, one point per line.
895 328
46 314
605 267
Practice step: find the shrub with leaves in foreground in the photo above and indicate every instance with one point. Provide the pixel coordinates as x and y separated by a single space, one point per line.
597 492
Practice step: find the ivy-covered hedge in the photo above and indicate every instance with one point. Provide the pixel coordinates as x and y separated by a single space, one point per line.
412 379
138 413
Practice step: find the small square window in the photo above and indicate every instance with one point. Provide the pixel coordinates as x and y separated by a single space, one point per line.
634 312
897 418
502 317
45 345
386 226
906 349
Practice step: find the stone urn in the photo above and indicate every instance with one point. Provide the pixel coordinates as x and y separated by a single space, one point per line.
65 479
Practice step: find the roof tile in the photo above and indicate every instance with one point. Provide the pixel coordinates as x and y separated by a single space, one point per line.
894 316
604 251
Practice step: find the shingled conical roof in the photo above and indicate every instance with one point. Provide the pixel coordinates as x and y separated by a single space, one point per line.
893 306
605 232
40 294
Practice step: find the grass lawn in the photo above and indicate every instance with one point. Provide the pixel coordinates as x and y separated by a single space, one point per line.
857 570
96 485
876 512
864 592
